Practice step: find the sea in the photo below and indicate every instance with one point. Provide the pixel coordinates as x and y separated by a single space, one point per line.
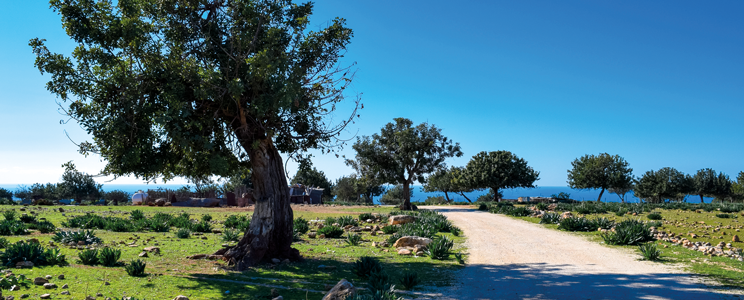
420 195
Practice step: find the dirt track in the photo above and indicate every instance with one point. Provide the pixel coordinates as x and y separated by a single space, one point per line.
514 259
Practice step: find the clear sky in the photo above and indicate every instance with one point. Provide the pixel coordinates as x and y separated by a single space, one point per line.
660 83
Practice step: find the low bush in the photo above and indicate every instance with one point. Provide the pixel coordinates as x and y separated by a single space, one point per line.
66 237
33 252
603 223
136 215
365 266
10 280
43 226
27 218
329 221
88 257
3 243
331 232
628 232
301 225
459 258
10 215
201 227
157 225
577 224
379 281
409 280
353 239
182 221
483 207
347 220
654 216
12 227
366 216
621 212
109 257
390 229
183 233
455 231
725 216
238 222
439 248
550 218
649 251
136 268
206 218
119 225
230 235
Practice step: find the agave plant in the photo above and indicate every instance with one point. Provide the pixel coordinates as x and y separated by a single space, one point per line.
86 236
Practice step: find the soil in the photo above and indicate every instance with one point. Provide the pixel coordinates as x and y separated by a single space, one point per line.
515 259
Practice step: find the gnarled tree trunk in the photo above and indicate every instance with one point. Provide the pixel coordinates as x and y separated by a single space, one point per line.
406 197
270 232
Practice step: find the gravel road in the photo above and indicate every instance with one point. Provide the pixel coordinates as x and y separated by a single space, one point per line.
515 259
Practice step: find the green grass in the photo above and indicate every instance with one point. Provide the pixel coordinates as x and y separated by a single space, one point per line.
170 274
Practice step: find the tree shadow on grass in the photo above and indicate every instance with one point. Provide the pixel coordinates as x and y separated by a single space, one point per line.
551 281
311 278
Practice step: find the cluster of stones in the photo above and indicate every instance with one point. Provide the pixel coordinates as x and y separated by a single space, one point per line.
721 249
371 228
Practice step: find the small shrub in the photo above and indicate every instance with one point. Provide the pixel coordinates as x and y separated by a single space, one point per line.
550 218
483 207
183 233
725 216
649 251
439 248
230 235
14 227
181 221
459 258
365 266
10 215
390 229
366 216
33 252
11 279
455 231
88 257
519 212
109 257
409 280
27 218
43 226
603 223
119 225
628 232
66 237
206 218
159 226
201 227
353 239
238 222
654 216
577 224
136 268
301 225
332 232
330 221
346 220
621 212
137 215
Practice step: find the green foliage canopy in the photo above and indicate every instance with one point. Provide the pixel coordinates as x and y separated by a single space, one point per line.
499 170
310 176
664 184
78 185
602 171
403 154
709 184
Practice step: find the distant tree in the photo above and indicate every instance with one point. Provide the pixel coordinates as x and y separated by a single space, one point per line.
440 181
664 184
23 192
368 181
621 191
50 191
709 184
403 154
195 88
310 176
117 196
603 172
490 196
396 195
6 194
460 183
78 185
499 170
737 188
345 189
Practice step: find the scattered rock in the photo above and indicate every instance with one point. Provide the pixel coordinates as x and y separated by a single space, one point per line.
24 264
411 241
143 254
322 236
735 238
50 286
197 256
566 214
342 290
311 235
40 281
64 286
99 295
106 283
64 293
181 297
46 296
48 277
152 249
14 288
401 219
404 251
276 260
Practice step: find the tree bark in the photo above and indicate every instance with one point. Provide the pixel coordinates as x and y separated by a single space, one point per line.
270 232
406 197
600 195
446 196
496 195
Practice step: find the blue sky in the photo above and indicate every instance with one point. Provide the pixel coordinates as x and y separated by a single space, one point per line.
659 83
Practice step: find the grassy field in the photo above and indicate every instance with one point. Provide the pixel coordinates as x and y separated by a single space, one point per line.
705 225
171 273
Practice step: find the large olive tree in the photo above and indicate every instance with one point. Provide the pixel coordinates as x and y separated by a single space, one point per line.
203 87
403 154
602 172
499 170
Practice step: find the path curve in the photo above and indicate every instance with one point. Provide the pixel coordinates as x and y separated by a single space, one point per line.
515 259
